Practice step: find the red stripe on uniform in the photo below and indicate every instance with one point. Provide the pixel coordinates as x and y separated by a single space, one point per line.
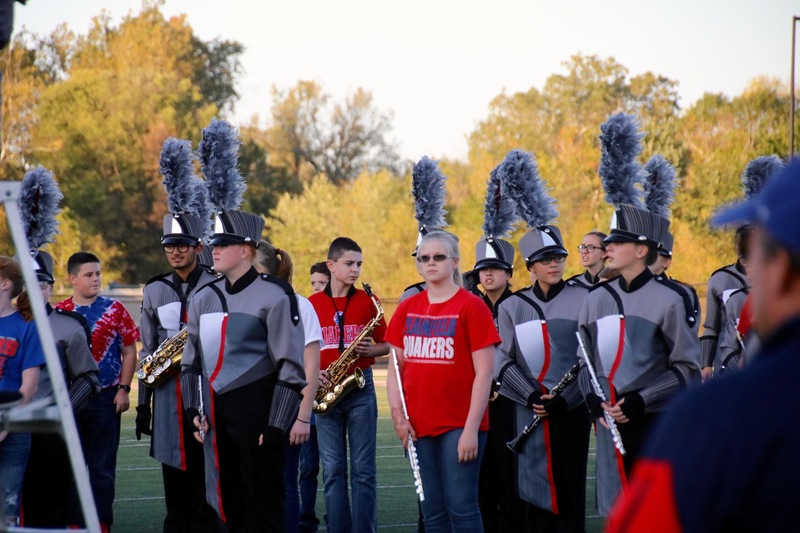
221 354
216 455
549 452
612 391
546 363
181 446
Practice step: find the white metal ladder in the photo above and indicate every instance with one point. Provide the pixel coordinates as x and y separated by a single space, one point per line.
42 415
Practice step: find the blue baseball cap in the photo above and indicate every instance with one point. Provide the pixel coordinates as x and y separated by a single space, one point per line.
776 208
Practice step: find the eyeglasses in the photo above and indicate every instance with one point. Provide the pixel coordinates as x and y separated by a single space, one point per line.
548 260
589 248
182 248
44 284
438 258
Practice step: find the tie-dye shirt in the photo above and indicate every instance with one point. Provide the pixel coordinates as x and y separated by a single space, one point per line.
112 328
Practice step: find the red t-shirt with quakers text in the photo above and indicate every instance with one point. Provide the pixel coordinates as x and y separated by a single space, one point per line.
438 341
357 314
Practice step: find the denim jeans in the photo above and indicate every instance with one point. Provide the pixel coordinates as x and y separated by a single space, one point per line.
451 488
291 505
353 421
98 427
14 451
309 470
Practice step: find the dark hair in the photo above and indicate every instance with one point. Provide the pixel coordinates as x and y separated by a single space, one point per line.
10 270
742 240
652 255
277 262
771 248
601 236
80 258
340 246
320 268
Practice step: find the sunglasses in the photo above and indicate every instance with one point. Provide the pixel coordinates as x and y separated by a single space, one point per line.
182 248
438 258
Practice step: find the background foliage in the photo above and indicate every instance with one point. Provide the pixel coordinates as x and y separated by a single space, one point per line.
96 108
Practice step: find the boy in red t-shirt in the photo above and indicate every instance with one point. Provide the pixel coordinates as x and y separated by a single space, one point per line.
343 312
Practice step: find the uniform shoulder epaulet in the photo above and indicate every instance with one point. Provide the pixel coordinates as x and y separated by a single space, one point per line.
742 290
571 282
520 293
731 271
599 284
72 314
688 304
287 288
157 277
81 320
417 286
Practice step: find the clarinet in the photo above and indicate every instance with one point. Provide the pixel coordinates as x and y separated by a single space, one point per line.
202 408
516 444
412 450
610 422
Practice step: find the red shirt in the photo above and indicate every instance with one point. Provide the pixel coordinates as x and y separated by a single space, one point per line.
358 311
438 341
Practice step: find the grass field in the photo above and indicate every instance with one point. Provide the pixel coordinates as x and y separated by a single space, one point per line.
139 504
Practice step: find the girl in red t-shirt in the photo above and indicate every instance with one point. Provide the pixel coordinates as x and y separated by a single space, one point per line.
445 340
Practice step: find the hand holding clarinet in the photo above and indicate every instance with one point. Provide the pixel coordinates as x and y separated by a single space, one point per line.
608 421
405 432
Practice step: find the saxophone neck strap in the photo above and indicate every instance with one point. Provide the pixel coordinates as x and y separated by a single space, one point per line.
340 315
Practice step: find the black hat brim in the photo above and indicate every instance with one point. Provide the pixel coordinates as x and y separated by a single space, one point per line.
492 263
179 239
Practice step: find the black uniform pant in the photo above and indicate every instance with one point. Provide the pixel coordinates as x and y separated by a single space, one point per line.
47 484
633 434
250 476
569 442
501 508
185 491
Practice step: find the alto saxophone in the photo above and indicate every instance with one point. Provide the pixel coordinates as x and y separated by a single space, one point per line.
163 362
340 383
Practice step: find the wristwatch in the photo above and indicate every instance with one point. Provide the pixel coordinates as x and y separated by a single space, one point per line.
126 388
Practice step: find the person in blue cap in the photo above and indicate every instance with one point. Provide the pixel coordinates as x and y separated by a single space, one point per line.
719 461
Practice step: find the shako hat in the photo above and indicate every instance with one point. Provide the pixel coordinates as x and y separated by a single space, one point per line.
492 250
520 176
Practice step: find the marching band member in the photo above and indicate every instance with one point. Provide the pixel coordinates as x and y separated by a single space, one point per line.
48 477
445 340
165 304
592 252
245 339
724 281
537 325
635 327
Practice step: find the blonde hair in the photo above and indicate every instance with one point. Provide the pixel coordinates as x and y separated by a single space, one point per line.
450 243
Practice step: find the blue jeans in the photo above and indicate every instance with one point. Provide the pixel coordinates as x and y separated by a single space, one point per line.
451 488
353 420
13 458
309 470
291 504
98 427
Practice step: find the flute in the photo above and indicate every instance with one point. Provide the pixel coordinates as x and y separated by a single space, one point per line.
202 408
412 450
516 444
610 422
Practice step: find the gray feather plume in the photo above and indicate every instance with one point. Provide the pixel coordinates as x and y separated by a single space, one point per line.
38 205
659 185
203 208
498 210
428 190
758 172
519 175
176 165
620 172
219 159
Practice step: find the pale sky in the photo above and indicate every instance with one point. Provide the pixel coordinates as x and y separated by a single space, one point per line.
437 64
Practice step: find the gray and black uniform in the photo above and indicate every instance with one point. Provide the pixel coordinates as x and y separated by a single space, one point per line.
246 340
538 349
642 344
164 313
721 285
729 346
48 477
